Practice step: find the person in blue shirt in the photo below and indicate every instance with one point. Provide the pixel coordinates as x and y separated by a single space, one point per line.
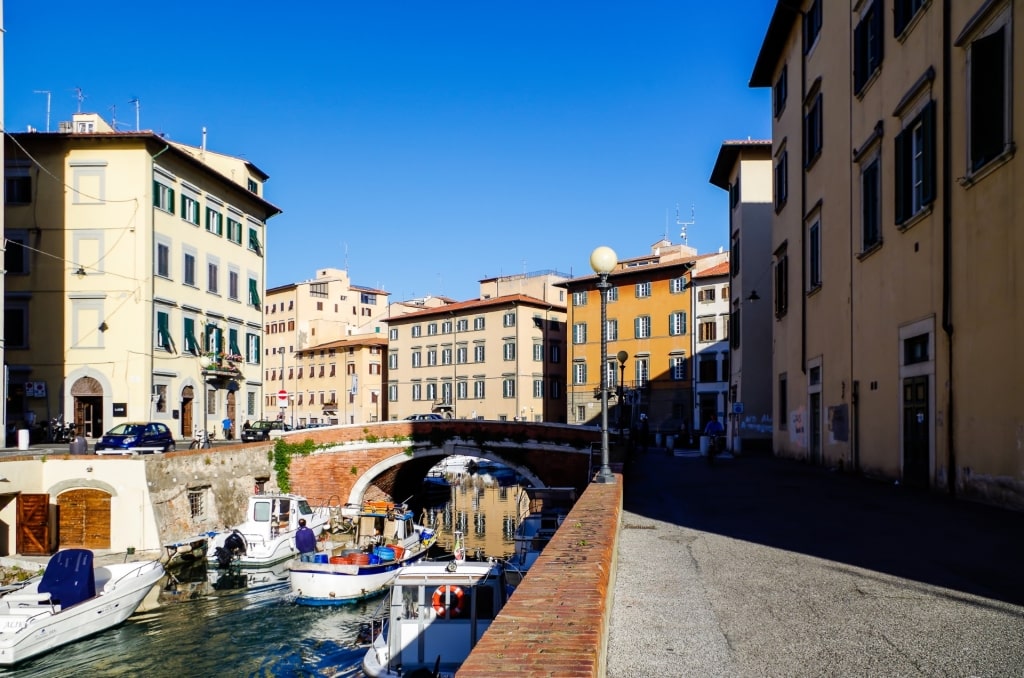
714 427
305 540
714 430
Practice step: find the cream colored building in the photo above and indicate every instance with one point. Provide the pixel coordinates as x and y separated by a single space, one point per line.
744 169
314 314
339 382
129 259
497 357
897 239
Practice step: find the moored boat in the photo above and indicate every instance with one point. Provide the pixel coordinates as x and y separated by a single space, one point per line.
70 601
438 612
542 513
377 539
267 537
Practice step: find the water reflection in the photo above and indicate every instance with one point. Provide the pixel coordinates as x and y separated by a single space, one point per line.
253 634
473 503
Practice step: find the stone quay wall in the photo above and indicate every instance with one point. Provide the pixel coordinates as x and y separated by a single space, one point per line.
558 620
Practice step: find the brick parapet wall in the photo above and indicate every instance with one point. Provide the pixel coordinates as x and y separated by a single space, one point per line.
558 620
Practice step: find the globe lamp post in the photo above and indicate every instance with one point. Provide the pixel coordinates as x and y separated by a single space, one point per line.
603 261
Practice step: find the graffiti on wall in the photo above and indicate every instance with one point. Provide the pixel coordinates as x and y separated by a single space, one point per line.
798 427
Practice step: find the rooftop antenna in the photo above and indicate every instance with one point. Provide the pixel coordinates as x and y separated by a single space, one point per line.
684 224
113 116
345 245
137 105
80 96
48 95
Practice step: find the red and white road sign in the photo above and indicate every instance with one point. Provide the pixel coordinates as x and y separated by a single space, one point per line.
282 398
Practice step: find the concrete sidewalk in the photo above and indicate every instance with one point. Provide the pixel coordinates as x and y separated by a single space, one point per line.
765 567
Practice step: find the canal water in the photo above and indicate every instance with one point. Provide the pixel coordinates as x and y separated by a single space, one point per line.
263 633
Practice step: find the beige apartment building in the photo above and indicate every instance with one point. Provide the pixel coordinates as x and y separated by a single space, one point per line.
135 267
744 169
309 325
896 240
333 383
303 323
496 357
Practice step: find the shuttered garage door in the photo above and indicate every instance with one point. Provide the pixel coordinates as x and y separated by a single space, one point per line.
84 519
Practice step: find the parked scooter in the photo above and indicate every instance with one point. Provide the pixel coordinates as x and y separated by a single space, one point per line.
60 432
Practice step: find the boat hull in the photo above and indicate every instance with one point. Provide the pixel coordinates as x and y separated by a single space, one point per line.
28 630
323 584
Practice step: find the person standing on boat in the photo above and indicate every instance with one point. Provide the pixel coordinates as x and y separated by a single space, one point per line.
305 540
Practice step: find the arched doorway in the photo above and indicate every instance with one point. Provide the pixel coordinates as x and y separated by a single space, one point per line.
187 398
84 519
88 403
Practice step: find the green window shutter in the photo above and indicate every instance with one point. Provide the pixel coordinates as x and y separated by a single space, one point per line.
190 336
683 324
163 335
254 242
636 328
156 193
219 333
170 203
233 342
254 294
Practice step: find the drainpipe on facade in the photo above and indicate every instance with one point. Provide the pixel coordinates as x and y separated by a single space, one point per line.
947 245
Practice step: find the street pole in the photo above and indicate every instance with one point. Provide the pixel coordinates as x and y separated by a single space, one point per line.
603 260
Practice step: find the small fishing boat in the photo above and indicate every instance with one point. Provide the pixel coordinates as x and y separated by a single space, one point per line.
377 539
267 537
438 612
71 600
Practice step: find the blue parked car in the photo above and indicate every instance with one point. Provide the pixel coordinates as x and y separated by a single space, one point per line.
141 437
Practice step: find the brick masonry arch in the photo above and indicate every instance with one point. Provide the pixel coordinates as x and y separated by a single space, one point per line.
347 468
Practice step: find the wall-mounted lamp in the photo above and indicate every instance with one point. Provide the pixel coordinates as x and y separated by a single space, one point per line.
754 296
81 271
103 326
88 469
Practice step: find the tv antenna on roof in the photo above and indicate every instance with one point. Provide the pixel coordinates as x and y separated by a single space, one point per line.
113 116
80 96
684 224
48 94
137 104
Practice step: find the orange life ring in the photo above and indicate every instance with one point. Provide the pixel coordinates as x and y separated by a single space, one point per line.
455 598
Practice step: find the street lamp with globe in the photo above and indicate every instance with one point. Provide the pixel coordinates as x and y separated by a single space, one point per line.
603 260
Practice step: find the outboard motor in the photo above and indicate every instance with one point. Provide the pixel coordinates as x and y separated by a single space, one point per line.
234 545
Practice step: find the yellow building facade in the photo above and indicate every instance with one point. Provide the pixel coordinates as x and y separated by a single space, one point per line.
896 239
650 316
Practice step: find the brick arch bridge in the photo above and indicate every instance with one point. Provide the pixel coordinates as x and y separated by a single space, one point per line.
390 459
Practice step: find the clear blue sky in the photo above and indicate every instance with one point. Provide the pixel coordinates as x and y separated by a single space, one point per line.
424 144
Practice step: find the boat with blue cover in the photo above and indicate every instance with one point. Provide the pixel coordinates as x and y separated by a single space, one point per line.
71 600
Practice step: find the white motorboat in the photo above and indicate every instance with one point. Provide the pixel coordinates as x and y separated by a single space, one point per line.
380 537
439 610
267 537
71 600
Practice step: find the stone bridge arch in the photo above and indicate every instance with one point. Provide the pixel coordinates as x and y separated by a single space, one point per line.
432 455
388 460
